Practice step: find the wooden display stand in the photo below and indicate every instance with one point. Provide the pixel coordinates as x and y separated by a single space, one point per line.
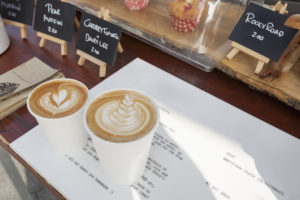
279 7
44 37
262 60
103 14
19 25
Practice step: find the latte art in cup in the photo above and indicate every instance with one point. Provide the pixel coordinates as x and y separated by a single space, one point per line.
58 98
121 116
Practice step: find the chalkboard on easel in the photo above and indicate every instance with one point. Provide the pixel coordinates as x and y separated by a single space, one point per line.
17 10
263 31
98 38
55 18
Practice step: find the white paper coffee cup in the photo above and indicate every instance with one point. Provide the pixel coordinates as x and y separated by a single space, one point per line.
4 39
65 134
123 162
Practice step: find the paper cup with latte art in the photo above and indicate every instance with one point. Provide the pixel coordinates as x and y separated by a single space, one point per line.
58 105
121 123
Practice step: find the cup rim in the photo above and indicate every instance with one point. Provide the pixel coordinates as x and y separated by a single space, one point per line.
91 133
64 117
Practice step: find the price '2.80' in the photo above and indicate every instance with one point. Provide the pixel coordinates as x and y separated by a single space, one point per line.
259 37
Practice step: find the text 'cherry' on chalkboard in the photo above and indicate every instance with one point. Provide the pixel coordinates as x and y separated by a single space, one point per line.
98 38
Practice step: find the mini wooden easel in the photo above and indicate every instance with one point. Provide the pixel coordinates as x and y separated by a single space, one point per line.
44 37
19 25
279 7
262 60
104 14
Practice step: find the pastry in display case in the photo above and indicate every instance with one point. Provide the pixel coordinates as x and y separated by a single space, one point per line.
186 14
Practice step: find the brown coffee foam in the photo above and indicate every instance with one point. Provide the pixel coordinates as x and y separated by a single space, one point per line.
119 95
53 87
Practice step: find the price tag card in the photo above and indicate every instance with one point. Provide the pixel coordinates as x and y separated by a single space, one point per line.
263 31
55 18
17 10
98 38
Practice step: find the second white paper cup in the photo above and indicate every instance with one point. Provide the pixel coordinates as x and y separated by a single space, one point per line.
124 162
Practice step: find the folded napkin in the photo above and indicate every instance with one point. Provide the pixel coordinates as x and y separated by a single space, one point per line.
16 84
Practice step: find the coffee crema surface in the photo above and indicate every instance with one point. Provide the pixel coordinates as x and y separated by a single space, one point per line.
58 98
121 115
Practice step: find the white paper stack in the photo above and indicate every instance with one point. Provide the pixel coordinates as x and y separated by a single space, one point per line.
203 149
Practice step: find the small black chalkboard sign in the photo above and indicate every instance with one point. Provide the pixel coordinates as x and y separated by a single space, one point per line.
17 10
98 38
55 18
263 30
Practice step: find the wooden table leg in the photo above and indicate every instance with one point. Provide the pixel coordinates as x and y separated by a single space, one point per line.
23 32
81 61
259 67
63 49
102 70
42 42
232 53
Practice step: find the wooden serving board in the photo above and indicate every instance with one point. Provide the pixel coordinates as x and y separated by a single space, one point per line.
286 88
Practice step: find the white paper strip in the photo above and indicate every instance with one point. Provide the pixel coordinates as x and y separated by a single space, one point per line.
203 149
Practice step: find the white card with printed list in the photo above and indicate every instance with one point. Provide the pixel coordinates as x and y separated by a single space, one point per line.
204 148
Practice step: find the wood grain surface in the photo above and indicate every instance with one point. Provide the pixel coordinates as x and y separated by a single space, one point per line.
216 83
286 88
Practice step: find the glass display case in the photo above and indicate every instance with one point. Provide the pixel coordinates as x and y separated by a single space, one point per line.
202 47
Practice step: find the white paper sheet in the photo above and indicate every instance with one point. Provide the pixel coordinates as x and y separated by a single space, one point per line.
203 149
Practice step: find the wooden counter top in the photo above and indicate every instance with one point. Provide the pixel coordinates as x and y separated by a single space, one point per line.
216 83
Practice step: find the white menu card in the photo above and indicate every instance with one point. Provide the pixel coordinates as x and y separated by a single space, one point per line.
204 149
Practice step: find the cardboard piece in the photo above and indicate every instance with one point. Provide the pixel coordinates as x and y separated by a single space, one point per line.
16 84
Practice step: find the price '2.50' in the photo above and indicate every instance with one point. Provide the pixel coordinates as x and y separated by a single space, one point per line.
259 37
52 30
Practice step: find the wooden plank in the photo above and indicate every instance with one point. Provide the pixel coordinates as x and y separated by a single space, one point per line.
285 88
